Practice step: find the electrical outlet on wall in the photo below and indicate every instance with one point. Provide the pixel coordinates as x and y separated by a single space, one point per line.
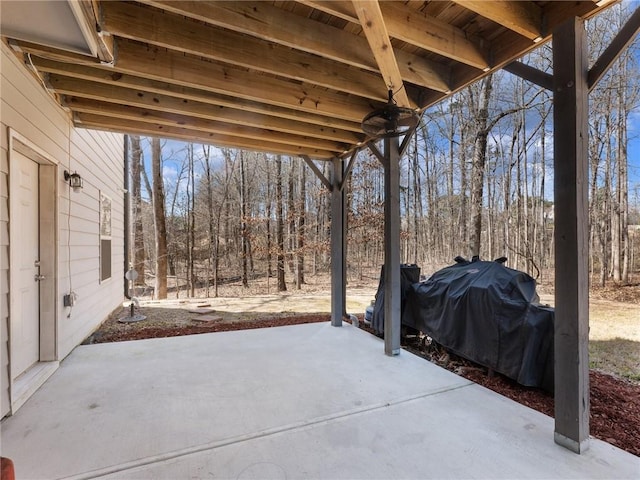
69 300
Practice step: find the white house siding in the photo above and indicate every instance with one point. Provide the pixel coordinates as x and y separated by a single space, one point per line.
28 110
95 299
4 268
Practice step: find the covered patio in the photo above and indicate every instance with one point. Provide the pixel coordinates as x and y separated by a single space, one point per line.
307 401
297 78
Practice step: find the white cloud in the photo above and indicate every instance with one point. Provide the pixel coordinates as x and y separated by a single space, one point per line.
169 173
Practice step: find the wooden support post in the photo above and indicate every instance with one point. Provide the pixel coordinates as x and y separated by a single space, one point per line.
570 119
338 245
392 306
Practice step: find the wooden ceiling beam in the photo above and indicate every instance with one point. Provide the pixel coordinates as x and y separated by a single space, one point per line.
416 28
178 33
148 100
512 45
169 66
186 94
622 39
372 23
264 21
189 71
430 34
145 115
523 17
343 9
101 122
530 74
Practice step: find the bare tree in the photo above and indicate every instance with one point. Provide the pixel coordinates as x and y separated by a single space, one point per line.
268 213
291 216
282 286
206 160
191 221
138 232
302 212
229 166
482 128
159 217
243 220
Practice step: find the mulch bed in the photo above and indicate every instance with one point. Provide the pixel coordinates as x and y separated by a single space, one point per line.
144 332
615 402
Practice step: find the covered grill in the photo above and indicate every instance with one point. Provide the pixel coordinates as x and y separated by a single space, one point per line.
487 313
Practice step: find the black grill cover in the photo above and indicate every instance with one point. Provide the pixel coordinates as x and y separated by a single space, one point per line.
487 313
409 274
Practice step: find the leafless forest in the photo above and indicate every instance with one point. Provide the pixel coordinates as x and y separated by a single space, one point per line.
477 179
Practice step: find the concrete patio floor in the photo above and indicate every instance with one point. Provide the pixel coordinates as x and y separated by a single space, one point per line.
306 401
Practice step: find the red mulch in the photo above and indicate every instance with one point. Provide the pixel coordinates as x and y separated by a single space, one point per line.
615 402
177 331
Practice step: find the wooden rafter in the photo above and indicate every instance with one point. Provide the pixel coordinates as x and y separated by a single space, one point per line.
372 22
417 29
186 94
157 28
146 115
163 65
261 20
194 72
624 37
206 111
104 122
523 17
531 74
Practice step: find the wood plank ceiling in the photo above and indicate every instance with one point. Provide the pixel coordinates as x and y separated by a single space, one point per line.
290 77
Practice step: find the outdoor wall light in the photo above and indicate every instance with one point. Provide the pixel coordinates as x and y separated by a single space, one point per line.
74 180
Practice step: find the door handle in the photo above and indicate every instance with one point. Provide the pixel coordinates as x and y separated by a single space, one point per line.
38 277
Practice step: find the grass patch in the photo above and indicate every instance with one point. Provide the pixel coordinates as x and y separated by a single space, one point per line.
619 356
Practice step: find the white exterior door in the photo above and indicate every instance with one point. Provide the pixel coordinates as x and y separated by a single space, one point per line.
25 320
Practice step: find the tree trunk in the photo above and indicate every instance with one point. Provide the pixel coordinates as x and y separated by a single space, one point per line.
138 232
478 165
192 224
243 220
417 202
206 150
282 286
172 247
623 195
223 209
268 222
291 217
605 217
302 212
622 273
463 218
160 291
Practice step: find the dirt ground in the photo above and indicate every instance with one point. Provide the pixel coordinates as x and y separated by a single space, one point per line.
615 399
